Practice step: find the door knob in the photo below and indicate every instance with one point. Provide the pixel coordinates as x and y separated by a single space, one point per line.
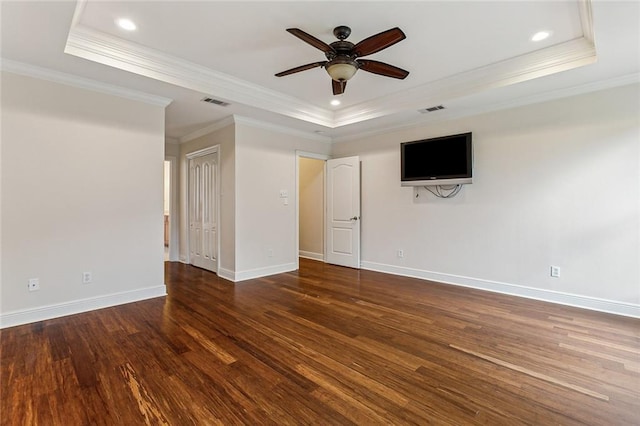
354 218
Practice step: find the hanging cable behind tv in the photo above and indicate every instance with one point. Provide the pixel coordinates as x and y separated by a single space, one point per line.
444 191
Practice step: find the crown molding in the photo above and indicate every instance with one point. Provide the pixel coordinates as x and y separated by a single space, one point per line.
237 119
448 115
41 73
561 57
78 11
119 53
281 129
586 19
113 51
227 121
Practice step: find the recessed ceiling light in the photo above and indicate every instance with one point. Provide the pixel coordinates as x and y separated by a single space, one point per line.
540 35
126 24
335 102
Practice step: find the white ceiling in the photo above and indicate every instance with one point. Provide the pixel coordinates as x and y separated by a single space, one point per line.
469 56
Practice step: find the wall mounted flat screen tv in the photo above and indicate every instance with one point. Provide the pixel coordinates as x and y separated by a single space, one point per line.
447 160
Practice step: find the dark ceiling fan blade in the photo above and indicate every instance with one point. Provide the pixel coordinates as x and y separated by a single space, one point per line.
382 69
301 68
338 87
377 42
308 38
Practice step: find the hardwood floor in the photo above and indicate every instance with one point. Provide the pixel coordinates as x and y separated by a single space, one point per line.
323 345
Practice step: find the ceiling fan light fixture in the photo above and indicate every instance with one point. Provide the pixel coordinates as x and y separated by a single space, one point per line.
343 57
342 69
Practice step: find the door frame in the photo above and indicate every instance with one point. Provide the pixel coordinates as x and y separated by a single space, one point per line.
315 156
215 149
174 234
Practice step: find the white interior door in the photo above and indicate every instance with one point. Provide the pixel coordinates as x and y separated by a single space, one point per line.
343 212
202 212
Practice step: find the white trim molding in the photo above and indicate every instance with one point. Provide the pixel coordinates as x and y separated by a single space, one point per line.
447 115
26 316
220 124
214 149
250 122
106 49
110 50
575 300
256 273
311 255
227 274
29 70
540 63
313 155
586 19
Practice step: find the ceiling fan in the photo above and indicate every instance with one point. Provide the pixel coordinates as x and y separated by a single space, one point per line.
343 56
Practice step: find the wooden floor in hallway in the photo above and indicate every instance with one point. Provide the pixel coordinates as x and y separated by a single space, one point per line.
324 345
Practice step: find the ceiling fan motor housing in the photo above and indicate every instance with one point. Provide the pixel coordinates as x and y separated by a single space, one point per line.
342 63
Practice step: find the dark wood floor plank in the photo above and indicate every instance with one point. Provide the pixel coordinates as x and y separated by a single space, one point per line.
322 345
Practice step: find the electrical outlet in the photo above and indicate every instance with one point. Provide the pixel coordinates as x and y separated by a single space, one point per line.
270 252
34 284
86 277
400 253
555 271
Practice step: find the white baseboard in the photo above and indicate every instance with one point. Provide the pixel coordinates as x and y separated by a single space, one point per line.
311 255
41 313
262 272
586 302
227 274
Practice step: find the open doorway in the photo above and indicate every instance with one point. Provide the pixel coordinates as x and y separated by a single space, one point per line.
328 209
170 209
311 205
311 213
167 208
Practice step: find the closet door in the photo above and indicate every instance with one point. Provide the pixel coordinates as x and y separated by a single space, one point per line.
203 226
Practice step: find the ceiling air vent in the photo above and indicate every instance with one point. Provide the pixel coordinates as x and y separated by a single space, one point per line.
430 109
215 101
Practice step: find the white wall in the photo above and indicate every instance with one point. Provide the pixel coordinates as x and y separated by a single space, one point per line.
257 230
311 210
224 137
265 164
171 149
81 191
556 183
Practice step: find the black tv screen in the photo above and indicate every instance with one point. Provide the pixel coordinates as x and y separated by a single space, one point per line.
445 160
